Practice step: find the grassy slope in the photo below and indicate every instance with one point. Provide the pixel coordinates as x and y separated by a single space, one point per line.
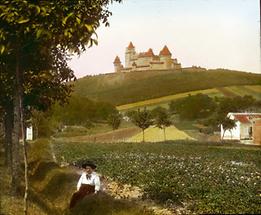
131 87
51 187
253 90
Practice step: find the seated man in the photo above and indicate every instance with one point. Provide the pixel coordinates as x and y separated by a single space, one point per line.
88 183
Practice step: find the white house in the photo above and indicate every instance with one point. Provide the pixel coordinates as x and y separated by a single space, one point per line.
244 126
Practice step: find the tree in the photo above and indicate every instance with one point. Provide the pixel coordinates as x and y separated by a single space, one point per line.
81 111
26 28
235 104
142 119
162 119
228 124
193 106
114 120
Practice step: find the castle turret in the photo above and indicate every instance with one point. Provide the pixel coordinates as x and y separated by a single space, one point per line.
117 64
129 55
165 52
165 57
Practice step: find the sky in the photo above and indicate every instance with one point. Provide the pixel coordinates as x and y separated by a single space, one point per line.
207 33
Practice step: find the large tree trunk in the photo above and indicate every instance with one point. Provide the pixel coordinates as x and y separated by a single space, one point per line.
19 126
15 146
8 128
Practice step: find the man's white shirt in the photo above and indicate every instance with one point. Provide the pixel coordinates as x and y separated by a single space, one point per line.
94 180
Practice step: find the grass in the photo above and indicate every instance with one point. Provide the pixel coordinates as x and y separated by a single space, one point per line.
125 88
163 100
231 91
255 91
51 188
154 134
200 177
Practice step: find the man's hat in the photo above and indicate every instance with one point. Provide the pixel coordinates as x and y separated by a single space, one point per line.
90 164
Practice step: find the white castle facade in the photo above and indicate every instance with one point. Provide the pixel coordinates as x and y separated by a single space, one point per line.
146 60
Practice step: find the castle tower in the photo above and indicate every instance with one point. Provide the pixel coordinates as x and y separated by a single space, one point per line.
165 57
117 64
129 55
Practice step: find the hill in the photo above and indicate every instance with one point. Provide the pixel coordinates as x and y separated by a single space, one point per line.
252 90
124 88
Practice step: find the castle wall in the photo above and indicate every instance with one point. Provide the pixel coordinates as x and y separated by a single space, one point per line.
141 61
167 62
156 66
142 68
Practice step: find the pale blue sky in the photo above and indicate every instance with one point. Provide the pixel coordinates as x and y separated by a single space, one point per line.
207 33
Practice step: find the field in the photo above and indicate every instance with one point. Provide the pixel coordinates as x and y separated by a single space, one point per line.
154 134
125 88
254 91
198 177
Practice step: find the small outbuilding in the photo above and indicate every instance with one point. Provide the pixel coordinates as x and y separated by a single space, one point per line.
248 127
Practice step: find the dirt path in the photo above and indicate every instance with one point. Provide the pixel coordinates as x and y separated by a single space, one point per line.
107 137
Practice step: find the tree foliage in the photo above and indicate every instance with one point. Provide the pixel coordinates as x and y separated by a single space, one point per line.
35 39
161 118
114 120
82 111
141 118
193 107
227 124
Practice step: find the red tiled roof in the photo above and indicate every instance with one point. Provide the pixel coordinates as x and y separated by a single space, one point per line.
150 53
131 46
243 118
117 60
165 51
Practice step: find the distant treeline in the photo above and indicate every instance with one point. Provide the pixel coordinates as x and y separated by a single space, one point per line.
124 88
81 110
78 111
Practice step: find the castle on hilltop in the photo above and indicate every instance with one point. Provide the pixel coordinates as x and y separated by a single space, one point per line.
146 60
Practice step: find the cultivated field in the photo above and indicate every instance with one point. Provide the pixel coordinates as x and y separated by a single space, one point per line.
190 176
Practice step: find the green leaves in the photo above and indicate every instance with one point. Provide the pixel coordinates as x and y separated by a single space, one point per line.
2 49
21 21
89 27
66 18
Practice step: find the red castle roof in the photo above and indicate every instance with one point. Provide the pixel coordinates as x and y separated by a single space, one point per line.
165 51
150 53
117 60
131 46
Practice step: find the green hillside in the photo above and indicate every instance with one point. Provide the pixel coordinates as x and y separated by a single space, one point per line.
241 90
124 88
